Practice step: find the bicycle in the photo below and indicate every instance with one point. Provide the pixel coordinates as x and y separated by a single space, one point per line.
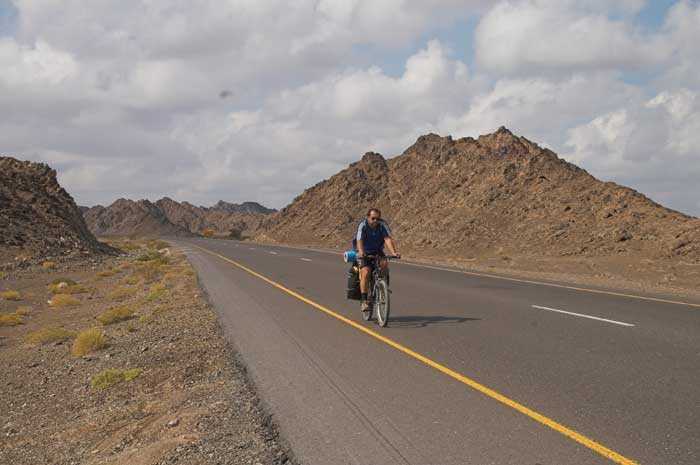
378 292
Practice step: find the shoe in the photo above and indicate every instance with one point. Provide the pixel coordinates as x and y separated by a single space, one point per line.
364 306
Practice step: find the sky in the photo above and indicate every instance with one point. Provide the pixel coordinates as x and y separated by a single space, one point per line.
256 100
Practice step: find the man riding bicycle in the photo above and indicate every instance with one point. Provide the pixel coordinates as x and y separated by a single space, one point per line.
372 233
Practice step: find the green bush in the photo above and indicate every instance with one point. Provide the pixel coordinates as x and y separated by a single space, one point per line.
116 315
90 340
48 335
108 378
10 319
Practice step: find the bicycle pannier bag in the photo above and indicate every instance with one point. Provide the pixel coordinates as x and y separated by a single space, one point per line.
353 286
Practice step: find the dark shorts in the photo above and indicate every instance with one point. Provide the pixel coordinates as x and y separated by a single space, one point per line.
367 261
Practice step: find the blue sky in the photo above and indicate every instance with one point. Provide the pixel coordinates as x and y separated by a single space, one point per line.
8 18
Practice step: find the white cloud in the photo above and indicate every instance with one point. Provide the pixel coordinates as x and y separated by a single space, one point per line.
541 108
306 133
682 28
119 94
650 145
536 36
39 64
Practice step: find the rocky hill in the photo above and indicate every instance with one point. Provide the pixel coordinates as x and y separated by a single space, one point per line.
38 218
129 218
245 207
221 217
498 194
166 217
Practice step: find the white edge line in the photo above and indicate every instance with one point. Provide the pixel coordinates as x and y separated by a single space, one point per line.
306 259
273 252
584 316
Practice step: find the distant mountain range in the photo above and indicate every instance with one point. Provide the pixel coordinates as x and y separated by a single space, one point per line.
167 217
499 194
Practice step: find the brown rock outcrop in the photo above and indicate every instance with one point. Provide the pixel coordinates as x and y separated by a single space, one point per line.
498 194
38 218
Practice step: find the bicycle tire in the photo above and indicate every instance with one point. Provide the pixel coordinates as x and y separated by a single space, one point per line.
382 302
367 316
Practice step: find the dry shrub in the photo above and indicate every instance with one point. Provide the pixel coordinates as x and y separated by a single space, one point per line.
90 340
105 273
10 295
74 289
157 287
189 272
129 245
208 233
122 293
3 275
150 272
116 315
158 245
53 288
131 279
10 319
154 296
23 310
48 335
150 256
107 378
64 300
48 265
160 309
170 277
68 282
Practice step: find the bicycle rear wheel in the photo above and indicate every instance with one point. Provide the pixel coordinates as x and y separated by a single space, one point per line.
368 314
381 302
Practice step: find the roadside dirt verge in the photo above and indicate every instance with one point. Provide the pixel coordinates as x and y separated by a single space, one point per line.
124 363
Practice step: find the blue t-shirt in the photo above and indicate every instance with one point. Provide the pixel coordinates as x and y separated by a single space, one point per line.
372 239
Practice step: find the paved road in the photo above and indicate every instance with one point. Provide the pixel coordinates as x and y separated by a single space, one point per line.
554 388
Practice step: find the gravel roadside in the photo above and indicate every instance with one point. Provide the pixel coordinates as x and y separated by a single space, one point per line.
184 397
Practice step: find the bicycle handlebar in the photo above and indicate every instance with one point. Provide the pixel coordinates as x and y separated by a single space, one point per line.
388 257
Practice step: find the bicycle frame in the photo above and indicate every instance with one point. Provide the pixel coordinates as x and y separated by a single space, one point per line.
378 291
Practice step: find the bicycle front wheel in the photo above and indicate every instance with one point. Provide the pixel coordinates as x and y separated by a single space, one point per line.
381 302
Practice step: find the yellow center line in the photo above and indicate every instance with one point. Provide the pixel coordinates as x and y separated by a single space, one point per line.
568 432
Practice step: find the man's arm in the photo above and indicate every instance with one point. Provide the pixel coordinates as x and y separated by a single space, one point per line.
358 237
390 243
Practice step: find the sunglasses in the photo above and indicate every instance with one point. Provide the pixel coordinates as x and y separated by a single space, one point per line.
374 218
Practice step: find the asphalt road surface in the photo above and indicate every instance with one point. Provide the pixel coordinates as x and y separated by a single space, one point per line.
471 369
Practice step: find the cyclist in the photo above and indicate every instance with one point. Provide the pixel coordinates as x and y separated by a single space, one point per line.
372 234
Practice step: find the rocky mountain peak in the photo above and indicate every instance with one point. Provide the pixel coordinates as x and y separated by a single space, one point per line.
500 192
38 217
373 158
